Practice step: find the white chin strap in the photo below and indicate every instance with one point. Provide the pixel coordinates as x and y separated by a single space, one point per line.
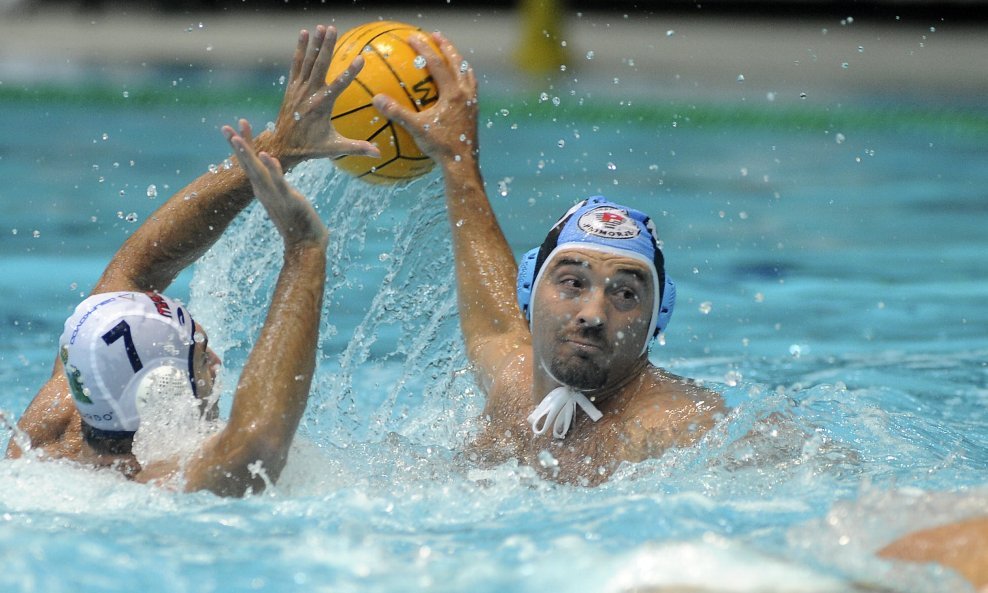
558 409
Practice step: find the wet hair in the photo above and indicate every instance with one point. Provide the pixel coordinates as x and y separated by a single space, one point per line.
107 442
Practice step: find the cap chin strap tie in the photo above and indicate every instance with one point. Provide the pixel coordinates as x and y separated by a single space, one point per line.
558 409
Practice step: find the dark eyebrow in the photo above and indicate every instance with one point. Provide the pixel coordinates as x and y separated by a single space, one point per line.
568 261
635 272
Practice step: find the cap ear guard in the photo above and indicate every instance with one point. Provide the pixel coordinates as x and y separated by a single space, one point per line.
666 306
526 280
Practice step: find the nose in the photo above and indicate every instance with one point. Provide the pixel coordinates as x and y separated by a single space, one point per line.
592 311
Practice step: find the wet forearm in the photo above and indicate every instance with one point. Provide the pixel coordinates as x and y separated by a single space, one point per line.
485 266
182 229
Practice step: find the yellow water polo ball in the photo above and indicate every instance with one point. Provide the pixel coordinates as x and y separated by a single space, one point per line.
391 67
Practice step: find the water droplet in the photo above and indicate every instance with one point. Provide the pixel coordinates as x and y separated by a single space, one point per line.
770 96
297 116
590 55
459 223
611 167
795 351
740 77
504 112
860 49
464 66
105 136
706 307
126 94
547 460
759 297
561 143
556 101
844 65
213 168
463 137
503 186
732 378
670 33
839 138
419 62
384 257
152 191
132 217
36 234
802 95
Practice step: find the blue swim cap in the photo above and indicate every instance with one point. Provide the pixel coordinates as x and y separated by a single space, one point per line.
598 224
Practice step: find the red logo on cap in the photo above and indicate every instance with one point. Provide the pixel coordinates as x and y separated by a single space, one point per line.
160 304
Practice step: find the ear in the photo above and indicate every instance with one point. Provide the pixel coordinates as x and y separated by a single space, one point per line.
162 385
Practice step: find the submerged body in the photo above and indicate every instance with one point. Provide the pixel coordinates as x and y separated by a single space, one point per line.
657 410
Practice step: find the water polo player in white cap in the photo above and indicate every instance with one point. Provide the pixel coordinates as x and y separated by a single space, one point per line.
128 353
571 392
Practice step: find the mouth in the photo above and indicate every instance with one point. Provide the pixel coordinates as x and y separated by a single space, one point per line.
585 345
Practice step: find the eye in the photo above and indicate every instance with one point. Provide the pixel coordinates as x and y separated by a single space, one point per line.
625 298
569 282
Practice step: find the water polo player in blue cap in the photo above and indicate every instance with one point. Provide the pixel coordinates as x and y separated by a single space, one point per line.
132 361
561 347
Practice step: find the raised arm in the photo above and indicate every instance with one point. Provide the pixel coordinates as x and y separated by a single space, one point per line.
274 385
190 222
486 270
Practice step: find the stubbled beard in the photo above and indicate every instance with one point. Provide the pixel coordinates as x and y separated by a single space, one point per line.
577 372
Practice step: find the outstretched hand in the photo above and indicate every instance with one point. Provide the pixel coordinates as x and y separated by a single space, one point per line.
293 215
304 129
446 131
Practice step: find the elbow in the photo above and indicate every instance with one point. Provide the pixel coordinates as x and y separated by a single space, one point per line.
249 463
264 457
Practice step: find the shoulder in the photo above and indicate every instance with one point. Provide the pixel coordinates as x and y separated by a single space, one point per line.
509 385
51 422
673 410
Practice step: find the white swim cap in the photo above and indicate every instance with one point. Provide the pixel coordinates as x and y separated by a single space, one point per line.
118 348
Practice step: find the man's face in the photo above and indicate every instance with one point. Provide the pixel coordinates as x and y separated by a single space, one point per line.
591 311
205 366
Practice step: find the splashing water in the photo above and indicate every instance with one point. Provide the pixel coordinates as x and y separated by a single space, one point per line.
390 358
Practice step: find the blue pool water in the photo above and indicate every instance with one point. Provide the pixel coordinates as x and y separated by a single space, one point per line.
830 264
